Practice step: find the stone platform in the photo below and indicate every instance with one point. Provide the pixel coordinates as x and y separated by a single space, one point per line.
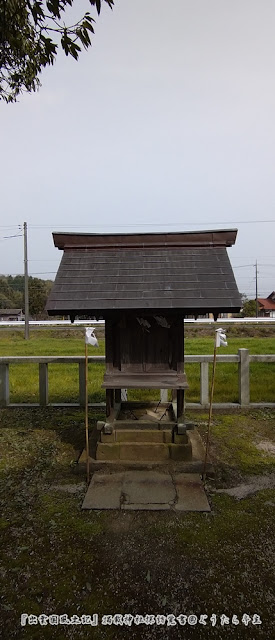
146 490
143 445
188 464
143 432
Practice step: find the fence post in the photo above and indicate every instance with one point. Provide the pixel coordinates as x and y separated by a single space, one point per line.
43 384
81 376
244 385
204 394
4 385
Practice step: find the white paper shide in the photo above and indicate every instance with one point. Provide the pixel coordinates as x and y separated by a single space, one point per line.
221 338
90 337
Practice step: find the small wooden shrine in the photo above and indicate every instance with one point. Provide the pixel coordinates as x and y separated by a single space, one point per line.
143 285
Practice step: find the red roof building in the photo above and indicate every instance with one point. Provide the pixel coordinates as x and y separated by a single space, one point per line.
267 306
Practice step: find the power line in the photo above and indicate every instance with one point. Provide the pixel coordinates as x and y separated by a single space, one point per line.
151 224
141 224
266 265
45 260
18 235
242 266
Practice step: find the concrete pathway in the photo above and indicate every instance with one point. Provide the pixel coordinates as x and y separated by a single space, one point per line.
146 490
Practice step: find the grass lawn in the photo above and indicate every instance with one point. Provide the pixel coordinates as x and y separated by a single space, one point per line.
58 559
63 381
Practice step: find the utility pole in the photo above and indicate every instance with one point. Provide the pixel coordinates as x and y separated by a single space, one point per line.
26 282
256 290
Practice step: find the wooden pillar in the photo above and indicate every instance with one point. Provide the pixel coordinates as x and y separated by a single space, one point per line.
43 384
4 385
117 396
109 404
180 368
180 405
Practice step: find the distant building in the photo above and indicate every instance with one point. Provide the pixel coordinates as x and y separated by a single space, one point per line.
11 315
209 316
266 306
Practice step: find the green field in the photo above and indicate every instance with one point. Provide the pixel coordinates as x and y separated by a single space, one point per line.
63 379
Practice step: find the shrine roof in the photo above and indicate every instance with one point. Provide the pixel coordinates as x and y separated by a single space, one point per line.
102 273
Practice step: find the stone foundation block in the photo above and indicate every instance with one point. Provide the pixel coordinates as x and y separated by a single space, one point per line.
180 439
135 435
140 451
107 437
107 451
167 436
180 451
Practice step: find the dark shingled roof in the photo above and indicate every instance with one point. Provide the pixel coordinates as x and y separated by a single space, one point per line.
8 312
100 273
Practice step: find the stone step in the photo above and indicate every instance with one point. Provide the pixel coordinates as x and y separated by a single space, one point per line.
143 436
138 435
143 451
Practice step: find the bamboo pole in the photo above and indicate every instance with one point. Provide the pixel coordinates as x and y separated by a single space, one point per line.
210 412
86 414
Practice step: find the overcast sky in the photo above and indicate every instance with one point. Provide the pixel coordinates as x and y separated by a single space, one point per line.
166 123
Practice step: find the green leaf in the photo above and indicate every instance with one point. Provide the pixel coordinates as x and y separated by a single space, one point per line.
74 49
55 7
25 25
37 11
98 5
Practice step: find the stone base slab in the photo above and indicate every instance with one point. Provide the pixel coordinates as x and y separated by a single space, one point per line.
146 490
143 451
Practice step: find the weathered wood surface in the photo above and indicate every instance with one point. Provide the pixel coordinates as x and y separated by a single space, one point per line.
140 345
145 381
